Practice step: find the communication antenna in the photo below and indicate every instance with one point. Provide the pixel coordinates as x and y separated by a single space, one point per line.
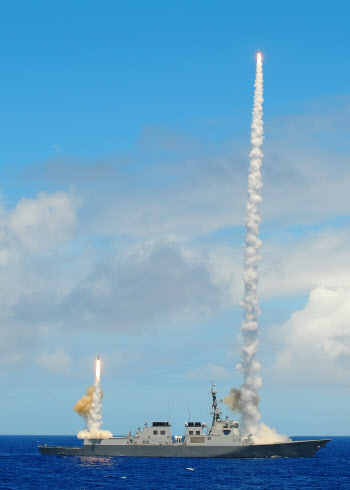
169 412
189 413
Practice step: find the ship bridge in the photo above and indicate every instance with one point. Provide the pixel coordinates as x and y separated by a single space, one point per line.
194 433
159 433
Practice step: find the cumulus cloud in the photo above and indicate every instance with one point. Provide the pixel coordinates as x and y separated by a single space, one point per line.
30 277
126 277
44 221
142 288
145 286
299 264
315 341
292 264
156 284
27 232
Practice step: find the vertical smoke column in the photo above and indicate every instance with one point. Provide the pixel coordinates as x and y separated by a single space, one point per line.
94 413
249 366
94 421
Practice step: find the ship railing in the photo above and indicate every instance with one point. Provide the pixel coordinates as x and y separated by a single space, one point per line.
178 439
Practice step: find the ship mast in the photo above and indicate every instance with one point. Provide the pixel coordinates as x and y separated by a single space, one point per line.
216 412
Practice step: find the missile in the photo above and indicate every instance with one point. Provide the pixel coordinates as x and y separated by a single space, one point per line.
98 356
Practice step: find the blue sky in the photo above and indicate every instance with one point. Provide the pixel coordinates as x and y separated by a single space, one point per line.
124 158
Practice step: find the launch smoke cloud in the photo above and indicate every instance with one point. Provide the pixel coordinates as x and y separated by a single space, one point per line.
83 406
90 408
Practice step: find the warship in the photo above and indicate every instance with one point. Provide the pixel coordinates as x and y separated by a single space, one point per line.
221 440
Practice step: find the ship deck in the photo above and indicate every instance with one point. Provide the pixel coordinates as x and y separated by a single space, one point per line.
291 449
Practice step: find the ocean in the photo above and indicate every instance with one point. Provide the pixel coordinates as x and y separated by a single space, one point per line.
22 466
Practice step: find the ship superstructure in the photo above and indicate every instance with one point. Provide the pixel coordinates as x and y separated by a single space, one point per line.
223 432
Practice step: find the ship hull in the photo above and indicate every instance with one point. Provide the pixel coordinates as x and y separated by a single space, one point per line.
294 449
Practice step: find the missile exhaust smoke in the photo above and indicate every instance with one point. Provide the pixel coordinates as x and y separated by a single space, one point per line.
246 400
90 408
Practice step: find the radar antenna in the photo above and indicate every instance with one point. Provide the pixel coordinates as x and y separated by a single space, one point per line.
216 412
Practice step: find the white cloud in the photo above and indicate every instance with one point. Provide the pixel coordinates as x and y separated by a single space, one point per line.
58 362
44 221
32 280
303 263
156 284
289 266
26 233
144 287
315 341
172 185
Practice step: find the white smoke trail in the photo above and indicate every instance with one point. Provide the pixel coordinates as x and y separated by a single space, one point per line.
95 416
94 419
246 400
249 366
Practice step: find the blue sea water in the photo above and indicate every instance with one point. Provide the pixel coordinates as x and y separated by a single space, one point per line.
22 466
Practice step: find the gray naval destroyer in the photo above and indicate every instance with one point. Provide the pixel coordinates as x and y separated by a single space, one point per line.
221 440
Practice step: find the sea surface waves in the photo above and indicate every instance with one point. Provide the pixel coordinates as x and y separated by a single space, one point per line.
22 466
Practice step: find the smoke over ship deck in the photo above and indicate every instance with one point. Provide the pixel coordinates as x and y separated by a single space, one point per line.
221 440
